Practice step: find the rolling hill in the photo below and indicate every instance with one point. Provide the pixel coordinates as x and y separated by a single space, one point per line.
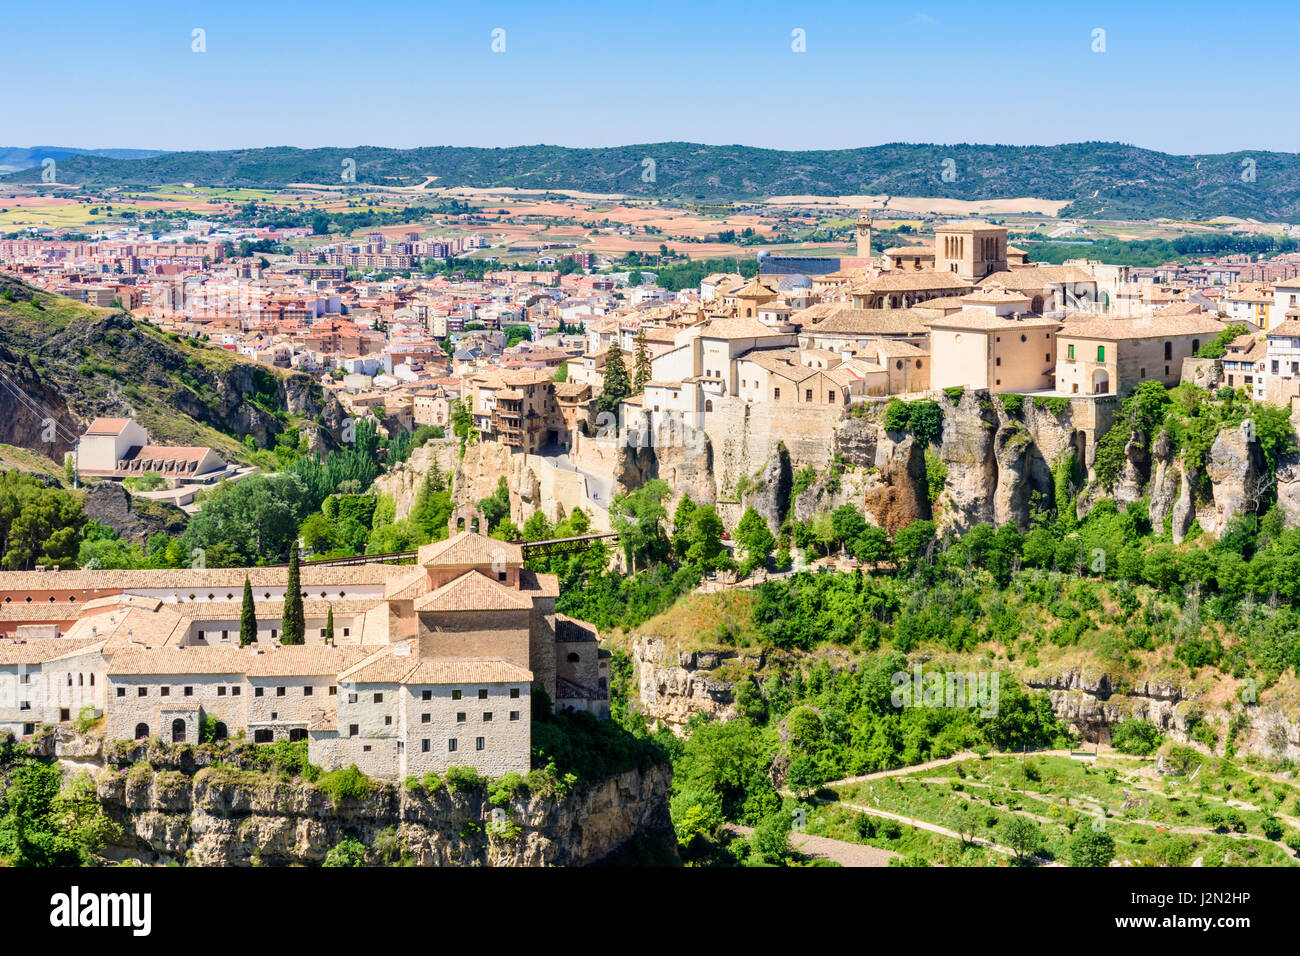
1109 180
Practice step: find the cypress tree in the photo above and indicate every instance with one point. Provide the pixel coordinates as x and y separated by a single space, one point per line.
247 617
641 374
292 627
329 625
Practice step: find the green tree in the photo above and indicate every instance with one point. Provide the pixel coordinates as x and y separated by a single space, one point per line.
247 616
754 539
329 625
1021 835
292 626
616 385
641 372
1091 847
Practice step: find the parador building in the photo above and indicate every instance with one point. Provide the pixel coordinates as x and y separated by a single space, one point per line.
429 666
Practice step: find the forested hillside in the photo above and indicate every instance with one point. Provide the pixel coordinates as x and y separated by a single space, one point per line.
1109 180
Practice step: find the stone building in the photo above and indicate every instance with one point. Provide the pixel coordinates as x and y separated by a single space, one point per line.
429 666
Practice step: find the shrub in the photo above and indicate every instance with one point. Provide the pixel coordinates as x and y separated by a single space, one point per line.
1135 737
349 852
344 783
462 778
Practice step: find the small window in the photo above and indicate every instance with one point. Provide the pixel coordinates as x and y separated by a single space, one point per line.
306 691
426 695
487 716
142 692
352 698
234 691
121 692
460 716
455 695
1101 353
189 691
1069 352
164 691
451 745
424 745
514 693
258 691
353 729
221 691
388 721
333 691
426 718
482 693
479 742
514 715
379 698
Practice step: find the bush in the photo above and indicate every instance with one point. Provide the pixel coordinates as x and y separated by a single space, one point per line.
1135 737
463 778
345 783
349 852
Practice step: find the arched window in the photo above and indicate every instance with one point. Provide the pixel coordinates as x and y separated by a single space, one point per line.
141 731
573 658
708 404
178 731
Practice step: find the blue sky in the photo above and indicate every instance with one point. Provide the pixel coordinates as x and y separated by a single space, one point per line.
1207 77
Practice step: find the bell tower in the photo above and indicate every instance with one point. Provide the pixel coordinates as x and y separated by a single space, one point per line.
864 237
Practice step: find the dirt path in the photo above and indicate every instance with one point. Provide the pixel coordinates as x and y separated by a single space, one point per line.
838 851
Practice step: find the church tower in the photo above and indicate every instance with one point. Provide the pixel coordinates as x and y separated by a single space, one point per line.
864 237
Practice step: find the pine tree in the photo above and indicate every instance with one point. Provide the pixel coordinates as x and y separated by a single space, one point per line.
247 617
329 625
616 387
292 627
642 373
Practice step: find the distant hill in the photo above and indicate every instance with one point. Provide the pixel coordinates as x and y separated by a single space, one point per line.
1107 180
25 157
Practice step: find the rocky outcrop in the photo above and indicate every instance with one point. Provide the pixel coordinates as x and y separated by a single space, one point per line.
1012 452
1184 510
220 817
677 453
1233 465
900 494
1091 702
770 493
673 686
969 427
1288 489
1166 482
134 519
404 481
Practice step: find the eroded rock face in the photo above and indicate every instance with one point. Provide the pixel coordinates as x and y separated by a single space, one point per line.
673 686
1166 482
1133 477
134 519
967 450
1184 510
771 496
218 819
900 495
403 482
1288 489
1013 452
1233 466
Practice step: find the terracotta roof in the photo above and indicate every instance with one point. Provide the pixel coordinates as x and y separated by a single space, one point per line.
107 426
911 282
846 320
736 329
180 660
445 671
1144 328
469 549
43 650
473 591
303 660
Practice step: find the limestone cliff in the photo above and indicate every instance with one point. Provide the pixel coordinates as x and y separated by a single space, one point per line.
403 482
220 817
